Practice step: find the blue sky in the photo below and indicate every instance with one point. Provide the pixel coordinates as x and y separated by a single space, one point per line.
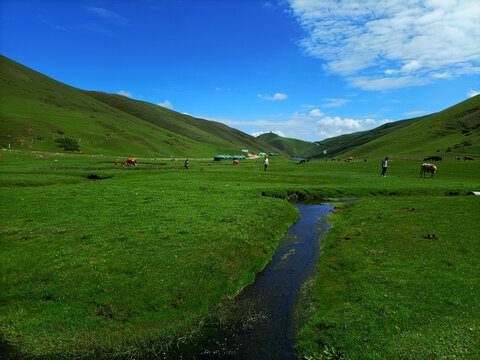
308 69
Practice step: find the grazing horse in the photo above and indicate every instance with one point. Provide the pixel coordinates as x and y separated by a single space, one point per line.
431 168
467 158
132 161
236 162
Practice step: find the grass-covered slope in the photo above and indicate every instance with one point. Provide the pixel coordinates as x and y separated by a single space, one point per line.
344 143
200 130
36 110
448 133
289 146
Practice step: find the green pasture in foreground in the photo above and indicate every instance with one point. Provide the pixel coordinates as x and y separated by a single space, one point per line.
132 262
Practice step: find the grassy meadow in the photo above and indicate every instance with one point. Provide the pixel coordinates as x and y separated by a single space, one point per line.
130 263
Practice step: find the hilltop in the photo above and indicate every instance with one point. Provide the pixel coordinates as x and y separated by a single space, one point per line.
37 112
289 146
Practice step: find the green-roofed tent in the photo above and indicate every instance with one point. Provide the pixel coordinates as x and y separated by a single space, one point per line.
222 157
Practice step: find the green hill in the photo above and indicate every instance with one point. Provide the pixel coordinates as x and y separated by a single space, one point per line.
344 143
451 132
289 146
36 112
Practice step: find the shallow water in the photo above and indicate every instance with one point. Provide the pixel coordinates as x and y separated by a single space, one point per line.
260 323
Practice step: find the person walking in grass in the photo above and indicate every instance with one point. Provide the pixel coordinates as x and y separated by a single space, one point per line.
384 166
265 163
186 164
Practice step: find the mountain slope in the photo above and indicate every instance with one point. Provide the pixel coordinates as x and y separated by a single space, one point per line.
289 146
452 132
344 143
36 111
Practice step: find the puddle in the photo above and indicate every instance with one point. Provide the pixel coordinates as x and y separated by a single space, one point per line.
260 322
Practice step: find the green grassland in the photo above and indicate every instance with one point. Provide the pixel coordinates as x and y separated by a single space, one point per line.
398 279
131 263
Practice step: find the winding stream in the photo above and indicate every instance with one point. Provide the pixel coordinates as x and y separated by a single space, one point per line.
261 322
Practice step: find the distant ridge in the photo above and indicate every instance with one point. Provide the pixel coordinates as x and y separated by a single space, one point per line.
452 132
36 111
289 146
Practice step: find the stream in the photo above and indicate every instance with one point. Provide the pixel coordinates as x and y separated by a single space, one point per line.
262 321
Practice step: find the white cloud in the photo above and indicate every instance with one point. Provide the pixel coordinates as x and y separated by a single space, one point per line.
277 96
416 112
125 93
51 24
278 132
166 104
473 93
335 102
315 112
391 44
109 15
300 125
335 126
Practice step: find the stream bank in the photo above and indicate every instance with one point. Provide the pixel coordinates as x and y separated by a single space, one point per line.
262 321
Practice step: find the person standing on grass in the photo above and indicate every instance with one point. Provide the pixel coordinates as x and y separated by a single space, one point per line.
186 164
384 166
265 163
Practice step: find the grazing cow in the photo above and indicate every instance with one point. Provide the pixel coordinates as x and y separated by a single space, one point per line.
431 168
116 163
124 163
365 160
348 159
333 159
458 158
236 162
132 161
467 158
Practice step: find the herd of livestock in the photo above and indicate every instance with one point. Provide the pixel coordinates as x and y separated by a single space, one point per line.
425 168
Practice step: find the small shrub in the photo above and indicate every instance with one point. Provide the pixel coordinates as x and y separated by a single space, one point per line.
68 144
